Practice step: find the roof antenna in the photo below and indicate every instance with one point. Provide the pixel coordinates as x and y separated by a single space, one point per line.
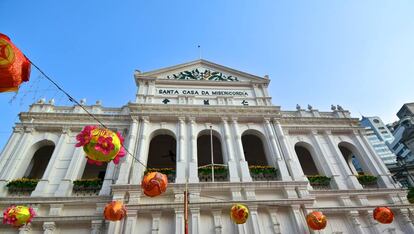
199 51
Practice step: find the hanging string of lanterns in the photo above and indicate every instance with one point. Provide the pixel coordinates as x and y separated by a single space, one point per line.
18 216
14 66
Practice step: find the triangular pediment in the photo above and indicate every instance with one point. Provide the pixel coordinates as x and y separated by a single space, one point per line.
201 70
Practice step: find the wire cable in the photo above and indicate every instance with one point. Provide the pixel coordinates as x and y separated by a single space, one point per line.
72 99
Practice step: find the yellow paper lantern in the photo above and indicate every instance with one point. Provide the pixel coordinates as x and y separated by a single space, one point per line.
101 145
239 213
18 216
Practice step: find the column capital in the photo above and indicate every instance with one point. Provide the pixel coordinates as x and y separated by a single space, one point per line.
181 119
192 119
49 227
266 120
145 119
234 119
224 119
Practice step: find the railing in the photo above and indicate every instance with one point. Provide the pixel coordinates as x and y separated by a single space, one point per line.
87 187
220 173
21 187
368 181
319 182
263 173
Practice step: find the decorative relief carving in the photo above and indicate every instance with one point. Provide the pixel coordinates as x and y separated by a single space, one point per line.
196 74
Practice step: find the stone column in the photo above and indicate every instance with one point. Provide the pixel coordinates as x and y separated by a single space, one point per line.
324 161
298 219
7 158
43 184
72 173
19 155
131 221
353 218
377 164
244 167
192 152
156 219
96 227
254 217
217 221
374 228
276 154
181 164
49 227
349 178
10 146
405 220
195 220
26 229
231 163
293 165
274 219
125 167
137 168
179 220
109 174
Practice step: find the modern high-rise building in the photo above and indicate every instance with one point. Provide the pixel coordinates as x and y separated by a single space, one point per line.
380 137
281 164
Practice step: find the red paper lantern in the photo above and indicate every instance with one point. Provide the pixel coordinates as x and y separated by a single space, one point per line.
114 211
18 216
316 220
14 66
154 183
383 215
239 213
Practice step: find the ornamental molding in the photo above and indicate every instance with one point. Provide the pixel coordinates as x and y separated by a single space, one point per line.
207 74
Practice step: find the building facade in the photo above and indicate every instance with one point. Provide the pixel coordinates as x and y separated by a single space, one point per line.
178 112
380 137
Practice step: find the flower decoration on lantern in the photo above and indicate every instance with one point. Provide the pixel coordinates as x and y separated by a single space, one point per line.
316 220
114 211
18 216
383 215
154 184
14 66
101 145
239 213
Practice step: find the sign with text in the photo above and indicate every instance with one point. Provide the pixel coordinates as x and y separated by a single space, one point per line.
203 92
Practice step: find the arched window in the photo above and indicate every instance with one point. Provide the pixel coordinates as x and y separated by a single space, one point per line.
204 149
93 171
39 162
204 141
351 157
254 152
305 159
162 155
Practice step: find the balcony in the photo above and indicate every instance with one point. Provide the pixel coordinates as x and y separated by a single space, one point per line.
368 181
21 187
263 173
220 173
87 187
319 182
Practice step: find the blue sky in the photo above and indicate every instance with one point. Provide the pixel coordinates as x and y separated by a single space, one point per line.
359 54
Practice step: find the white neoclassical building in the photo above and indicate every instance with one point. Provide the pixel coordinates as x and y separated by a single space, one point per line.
265 157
